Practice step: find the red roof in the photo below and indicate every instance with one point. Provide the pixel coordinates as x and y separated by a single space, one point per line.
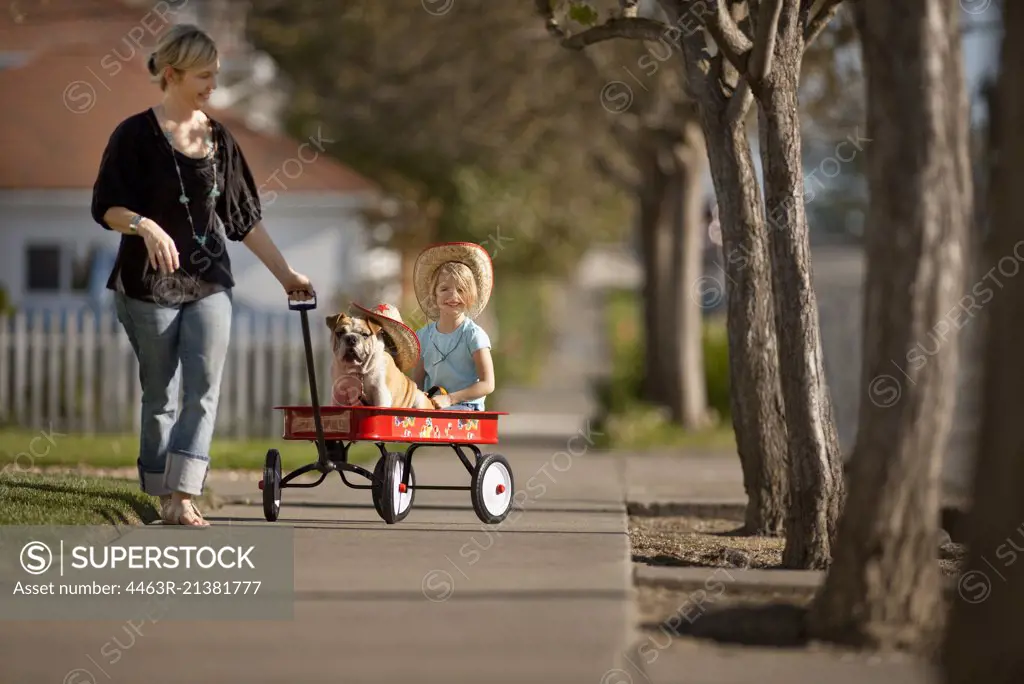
61 107
43 24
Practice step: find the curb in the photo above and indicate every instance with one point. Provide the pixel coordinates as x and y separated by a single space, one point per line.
952 513
720 508
694 578
697 578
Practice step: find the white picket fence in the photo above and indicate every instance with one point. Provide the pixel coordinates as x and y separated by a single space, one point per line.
81 376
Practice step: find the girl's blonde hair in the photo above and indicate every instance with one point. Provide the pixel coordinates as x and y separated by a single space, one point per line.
463 278
183 47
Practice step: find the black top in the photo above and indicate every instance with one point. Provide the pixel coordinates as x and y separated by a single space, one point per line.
138 172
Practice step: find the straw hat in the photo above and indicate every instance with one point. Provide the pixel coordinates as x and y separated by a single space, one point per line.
469 253
405 346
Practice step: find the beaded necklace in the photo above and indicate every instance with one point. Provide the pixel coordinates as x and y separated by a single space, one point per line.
214 192
445 355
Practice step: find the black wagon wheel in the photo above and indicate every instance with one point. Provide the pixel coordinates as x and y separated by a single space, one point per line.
272 485
395 500
492 488
378 485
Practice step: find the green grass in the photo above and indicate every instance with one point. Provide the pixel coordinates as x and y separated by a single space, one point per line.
32 499
21 450
62 498
630 423
646 429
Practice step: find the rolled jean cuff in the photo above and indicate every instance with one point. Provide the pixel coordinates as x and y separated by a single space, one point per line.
186 472
152 483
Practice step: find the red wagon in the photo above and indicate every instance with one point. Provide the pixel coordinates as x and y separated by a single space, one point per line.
392 483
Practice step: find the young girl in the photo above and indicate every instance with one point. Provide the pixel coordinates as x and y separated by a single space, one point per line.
453 282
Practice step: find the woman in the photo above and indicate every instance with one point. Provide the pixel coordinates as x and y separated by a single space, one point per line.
175 184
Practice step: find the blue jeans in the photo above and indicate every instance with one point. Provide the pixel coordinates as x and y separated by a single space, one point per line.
174 447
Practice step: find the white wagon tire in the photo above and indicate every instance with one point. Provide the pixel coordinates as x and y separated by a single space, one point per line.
394 503
492 488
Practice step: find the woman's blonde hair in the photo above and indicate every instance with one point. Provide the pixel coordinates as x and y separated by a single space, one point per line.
183 47
463 278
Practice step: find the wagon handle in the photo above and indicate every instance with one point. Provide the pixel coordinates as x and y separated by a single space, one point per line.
303 308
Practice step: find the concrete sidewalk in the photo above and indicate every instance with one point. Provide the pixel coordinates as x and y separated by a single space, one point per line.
694 477
438 597
714 480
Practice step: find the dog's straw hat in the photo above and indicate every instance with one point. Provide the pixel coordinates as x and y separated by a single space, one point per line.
406 344
469 253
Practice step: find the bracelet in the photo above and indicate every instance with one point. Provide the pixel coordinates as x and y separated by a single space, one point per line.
134 223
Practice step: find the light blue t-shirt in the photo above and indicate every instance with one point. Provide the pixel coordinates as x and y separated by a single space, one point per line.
448 357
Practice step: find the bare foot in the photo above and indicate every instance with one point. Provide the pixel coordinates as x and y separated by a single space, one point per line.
165 503
182 511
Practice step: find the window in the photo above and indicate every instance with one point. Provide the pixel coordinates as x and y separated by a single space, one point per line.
43 268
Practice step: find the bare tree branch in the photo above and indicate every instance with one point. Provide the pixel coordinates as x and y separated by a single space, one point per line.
636 28
731 40
739 102
629 7
628 26
753 11
741 97
719 70
742 12
624 126
824 15
545 10
674 11
764 43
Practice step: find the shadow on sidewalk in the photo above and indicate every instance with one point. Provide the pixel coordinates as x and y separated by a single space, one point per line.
471 525
448 507
406 595
774 624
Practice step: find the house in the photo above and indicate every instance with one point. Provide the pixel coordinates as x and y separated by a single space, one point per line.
70 71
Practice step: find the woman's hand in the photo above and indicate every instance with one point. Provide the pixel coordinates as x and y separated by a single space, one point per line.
163 253
441 400
298 286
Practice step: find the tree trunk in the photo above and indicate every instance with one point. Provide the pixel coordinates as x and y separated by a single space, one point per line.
755 400
666 329
654 241
671 235
883 588
816 470
688 380
984 642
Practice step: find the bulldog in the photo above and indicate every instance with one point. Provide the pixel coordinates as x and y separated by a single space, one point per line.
363 370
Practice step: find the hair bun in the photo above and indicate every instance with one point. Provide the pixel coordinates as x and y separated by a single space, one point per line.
151 63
